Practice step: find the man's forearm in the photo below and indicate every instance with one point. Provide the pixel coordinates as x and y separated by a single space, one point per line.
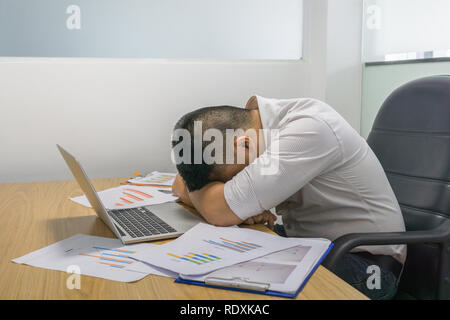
211 204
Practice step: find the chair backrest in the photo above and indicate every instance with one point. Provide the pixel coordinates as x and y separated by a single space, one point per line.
411 138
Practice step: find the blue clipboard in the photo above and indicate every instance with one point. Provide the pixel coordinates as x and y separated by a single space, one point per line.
267 292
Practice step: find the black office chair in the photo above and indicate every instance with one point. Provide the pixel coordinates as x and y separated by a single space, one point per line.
411 138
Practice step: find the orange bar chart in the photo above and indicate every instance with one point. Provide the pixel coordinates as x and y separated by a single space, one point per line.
131 196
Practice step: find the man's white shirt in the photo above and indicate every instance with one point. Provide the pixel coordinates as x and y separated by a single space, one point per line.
319 174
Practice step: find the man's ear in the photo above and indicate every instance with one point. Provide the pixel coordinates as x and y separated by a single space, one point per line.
249 145
252 103
242 141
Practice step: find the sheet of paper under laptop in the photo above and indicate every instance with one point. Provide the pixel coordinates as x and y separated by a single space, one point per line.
130 196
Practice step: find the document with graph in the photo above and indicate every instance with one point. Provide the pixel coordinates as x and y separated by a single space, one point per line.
206 248
283 273
94 256
155 178
128 196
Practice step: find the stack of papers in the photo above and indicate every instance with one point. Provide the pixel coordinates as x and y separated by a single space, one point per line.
238 258
205 248
94 256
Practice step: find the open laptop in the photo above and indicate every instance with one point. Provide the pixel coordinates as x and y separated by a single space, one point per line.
161 221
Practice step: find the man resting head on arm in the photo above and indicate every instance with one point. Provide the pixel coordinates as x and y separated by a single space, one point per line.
308 163
200 184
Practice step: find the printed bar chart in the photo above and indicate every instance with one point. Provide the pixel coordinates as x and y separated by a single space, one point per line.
191 253
115 258
195 257
155 178
239 246
132 194
161 179
127 196
117 250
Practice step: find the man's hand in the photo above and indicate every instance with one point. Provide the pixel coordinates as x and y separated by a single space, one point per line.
180 190
265 217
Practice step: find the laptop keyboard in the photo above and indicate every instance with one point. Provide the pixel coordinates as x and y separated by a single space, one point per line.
140 222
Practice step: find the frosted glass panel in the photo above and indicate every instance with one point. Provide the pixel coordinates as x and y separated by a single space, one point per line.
405 26
184 29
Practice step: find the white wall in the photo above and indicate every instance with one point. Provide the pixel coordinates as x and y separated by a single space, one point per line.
315 46
116 115
344 61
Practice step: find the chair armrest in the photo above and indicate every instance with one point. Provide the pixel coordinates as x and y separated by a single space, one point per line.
347 242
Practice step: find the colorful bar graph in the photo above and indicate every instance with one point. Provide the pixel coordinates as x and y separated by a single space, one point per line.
210 255
140 193
108 259
255 245
236 246
223 245
195 257
183 258
132 196
242 243
163 178
115 255
118 250
113 258
201 256
239 246
126 200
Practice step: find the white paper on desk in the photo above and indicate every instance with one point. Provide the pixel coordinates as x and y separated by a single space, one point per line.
100 257
128 196
156 178
284 270
205 248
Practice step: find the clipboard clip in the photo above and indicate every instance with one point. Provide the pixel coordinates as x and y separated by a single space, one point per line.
239 283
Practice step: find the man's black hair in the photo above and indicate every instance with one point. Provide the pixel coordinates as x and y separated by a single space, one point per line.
196 176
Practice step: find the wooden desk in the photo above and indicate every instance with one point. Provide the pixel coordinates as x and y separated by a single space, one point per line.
34 215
